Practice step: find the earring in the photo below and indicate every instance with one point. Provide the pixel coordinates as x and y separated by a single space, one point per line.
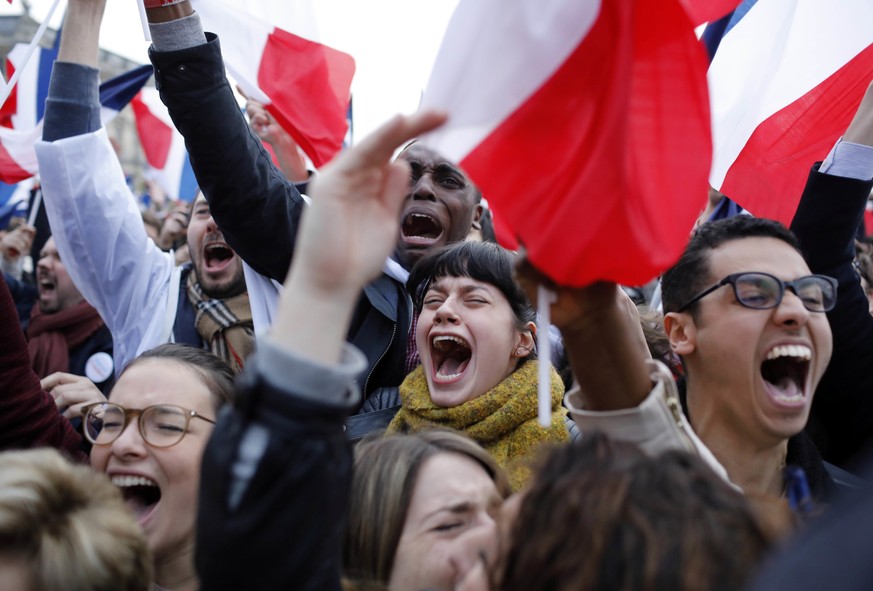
521 352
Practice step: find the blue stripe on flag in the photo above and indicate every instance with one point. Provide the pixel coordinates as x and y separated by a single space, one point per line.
188 183
715 32
117 92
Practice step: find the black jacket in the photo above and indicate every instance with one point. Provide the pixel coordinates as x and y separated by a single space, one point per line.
830 211
257 208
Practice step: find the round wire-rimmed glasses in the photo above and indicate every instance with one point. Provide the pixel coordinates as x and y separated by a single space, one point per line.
161 425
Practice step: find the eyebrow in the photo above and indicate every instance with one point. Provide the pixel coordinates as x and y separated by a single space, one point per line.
442 167
465 289
454 508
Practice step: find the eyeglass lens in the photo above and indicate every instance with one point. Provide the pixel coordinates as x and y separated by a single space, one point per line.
161 426
757 290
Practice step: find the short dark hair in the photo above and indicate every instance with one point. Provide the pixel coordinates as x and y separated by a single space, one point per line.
690 275
482 261
620 519
213 371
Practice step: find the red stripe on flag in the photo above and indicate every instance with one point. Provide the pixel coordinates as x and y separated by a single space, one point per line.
309 88
10 171
707 11
768 176
155 136
601 173
10 107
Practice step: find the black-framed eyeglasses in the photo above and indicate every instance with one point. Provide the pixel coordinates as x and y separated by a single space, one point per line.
762 291
161 425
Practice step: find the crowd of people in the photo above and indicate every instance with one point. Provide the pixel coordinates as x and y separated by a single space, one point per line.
267 390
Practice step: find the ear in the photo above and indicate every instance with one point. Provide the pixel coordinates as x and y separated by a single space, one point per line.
477 215
526 339
681 332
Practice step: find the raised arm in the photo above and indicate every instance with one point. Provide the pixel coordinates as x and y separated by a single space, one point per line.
827 219
292 483
256 207
94 218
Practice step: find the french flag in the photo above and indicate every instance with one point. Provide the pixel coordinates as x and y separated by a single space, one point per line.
304 84
164 147
586 125
21 115
785 82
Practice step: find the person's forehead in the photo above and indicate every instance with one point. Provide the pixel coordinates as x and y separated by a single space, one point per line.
420 154
769 255
161 381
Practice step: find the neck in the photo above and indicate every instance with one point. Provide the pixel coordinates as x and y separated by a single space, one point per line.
753 465
176 573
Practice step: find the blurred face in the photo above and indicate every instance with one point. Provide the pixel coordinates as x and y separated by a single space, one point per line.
753 373
159 484
449 526
440 208
467 339
218 268
56 289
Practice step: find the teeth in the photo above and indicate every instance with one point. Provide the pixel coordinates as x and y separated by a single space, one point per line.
444 338
801 352
125 481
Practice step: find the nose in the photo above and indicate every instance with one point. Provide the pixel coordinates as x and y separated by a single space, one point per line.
446 312
130 442
211 226
479 543
44 263
423 188
791 311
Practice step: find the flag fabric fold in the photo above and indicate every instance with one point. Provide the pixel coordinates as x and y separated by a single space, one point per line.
304 84
21 114
785 82
164 147
585 127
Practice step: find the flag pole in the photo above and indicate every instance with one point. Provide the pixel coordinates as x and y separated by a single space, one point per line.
145 21
40 32
545 299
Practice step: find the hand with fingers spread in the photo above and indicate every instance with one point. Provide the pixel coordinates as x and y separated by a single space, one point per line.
346 235
71 392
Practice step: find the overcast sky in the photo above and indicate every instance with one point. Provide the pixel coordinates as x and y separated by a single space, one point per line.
394 43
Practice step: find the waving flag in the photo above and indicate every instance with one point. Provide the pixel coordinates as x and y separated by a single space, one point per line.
586 126
164 147
21 114
785 82
304 84
706 11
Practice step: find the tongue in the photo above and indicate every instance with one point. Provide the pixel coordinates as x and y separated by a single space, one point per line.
787 387
452 366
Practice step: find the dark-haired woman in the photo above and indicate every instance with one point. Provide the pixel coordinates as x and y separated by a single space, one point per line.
475 335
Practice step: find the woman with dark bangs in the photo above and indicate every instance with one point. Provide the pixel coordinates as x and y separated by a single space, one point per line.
475 335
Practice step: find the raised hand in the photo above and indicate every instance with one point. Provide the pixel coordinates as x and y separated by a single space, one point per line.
345 236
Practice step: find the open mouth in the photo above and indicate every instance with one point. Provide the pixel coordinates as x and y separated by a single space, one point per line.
216 256
45 285
784 372
451 356
141 494
421 228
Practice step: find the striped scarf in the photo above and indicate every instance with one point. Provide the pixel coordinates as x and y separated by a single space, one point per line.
225 325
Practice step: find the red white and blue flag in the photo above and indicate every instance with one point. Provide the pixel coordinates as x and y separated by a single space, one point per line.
785 82
586 125
164 147
21 115
303 83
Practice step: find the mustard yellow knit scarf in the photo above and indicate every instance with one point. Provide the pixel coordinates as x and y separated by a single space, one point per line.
503 420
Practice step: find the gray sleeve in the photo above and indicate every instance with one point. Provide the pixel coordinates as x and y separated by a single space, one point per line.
73 102
178 34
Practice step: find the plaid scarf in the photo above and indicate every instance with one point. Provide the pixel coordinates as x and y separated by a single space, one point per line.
225 325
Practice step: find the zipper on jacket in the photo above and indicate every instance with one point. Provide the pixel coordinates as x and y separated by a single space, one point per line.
378 361
676 410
